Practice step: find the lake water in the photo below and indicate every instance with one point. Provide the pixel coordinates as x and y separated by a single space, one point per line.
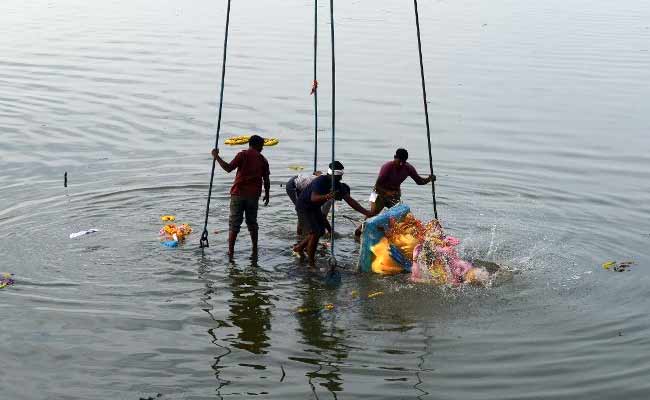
539 116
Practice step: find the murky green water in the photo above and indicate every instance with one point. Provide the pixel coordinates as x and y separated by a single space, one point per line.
540 125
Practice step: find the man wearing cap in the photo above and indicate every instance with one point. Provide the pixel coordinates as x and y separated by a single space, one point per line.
387 191
309 205
252 170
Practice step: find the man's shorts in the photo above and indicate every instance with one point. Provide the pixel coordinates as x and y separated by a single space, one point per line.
240 206
313 221
386 200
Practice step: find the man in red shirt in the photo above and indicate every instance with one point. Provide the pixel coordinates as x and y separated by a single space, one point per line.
391 176
252 170
387 191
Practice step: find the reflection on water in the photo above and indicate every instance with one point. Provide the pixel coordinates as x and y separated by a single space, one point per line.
248 321
321 333
250 308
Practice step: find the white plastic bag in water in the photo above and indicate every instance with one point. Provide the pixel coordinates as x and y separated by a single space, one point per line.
82 233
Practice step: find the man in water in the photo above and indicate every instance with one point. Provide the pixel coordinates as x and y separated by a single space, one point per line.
295 187
312 199
387 191
252 170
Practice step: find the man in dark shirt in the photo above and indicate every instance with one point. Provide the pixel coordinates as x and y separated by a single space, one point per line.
295 186
309 204
252 170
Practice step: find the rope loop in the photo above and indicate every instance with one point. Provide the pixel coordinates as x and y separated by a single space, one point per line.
204 239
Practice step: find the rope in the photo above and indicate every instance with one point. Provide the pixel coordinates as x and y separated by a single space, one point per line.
315 87
426 109
333 259
204 236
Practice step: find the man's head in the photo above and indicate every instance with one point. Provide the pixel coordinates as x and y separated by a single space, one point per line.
256 142
401 155
336 169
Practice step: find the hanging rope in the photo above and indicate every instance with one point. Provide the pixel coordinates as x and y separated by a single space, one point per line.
426 108
314 88
333 259
204 236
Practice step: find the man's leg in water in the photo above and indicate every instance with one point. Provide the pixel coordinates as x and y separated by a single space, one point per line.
300 227
254 242
317 221
251 207
311 223
234 221
311 248
302 245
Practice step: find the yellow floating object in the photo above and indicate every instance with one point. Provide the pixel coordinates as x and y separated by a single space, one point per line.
609 264
168 218
302 310
375 294
329 306
354 294
383 263
243 139
180 231
296 167
236 140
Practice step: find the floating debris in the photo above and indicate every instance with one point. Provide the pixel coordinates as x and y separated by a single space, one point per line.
171 235
168 218
609 264
83 233
296 167
618 266
158 395
6 280
329 306
375 294
171 243
181 231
